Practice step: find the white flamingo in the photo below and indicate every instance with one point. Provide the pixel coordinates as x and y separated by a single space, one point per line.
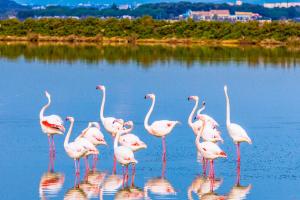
79 148
209 150
51 124
236 132
159 128
130 140
123 154
108 122
93 134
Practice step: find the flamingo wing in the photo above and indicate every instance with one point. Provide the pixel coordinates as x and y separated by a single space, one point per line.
238 134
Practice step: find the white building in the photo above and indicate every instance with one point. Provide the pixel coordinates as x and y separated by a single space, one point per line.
281 5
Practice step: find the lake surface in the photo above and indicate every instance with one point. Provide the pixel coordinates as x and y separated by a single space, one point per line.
264 90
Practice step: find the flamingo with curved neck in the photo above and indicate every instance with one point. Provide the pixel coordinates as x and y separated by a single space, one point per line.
196 124
159 128
236 132
51 125
209 150
123 154
77 149
108 122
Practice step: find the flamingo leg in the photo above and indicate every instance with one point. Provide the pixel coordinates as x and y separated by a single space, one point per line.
53 146
133 175
50 146
164 148
238 172
204 166
115 165
127 173
95 159
238 152
123 175
86 160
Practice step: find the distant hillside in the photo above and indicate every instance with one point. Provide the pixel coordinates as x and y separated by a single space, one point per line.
7 4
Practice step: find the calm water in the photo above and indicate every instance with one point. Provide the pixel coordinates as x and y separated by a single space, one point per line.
263 87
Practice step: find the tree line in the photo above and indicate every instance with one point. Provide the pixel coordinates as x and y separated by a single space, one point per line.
148 28
160 10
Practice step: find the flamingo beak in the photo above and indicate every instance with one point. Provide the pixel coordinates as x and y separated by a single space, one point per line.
223 154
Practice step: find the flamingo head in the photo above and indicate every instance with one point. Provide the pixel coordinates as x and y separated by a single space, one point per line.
47 94
71 119
128 123
217 138
100 87
150 96
225 88
195 98
203 103
119 121
94 124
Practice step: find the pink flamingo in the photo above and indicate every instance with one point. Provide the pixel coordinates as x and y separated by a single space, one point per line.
77 149
236 132
51 125
93 134
108 122
209 150
159 128
123 154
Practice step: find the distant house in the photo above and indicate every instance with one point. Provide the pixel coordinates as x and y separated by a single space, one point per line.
217 15
245 16
281 4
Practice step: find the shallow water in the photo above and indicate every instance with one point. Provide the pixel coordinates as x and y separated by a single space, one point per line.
264 92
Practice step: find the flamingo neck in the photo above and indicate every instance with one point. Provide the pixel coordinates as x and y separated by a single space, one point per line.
128 130
201 109
146 121
197 140
227 109
44 108
102 106
66 142
190 120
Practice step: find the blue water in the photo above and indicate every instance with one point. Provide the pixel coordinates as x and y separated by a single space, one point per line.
264 101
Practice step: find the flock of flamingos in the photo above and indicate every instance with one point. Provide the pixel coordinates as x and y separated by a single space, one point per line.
126 143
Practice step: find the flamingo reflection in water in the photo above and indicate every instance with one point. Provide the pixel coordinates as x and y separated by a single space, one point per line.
51 182
159 186
239 192
75 193
204 187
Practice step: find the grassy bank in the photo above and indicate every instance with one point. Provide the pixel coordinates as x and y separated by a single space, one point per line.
146 30
151 41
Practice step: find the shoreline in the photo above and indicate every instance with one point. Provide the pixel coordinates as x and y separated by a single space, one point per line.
72 39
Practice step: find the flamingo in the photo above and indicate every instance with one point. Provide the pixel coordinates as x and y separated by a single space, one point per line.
51 125
196 124
93 134
124 155
159 128
131 140
77 149
209 150
108 122
236 132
